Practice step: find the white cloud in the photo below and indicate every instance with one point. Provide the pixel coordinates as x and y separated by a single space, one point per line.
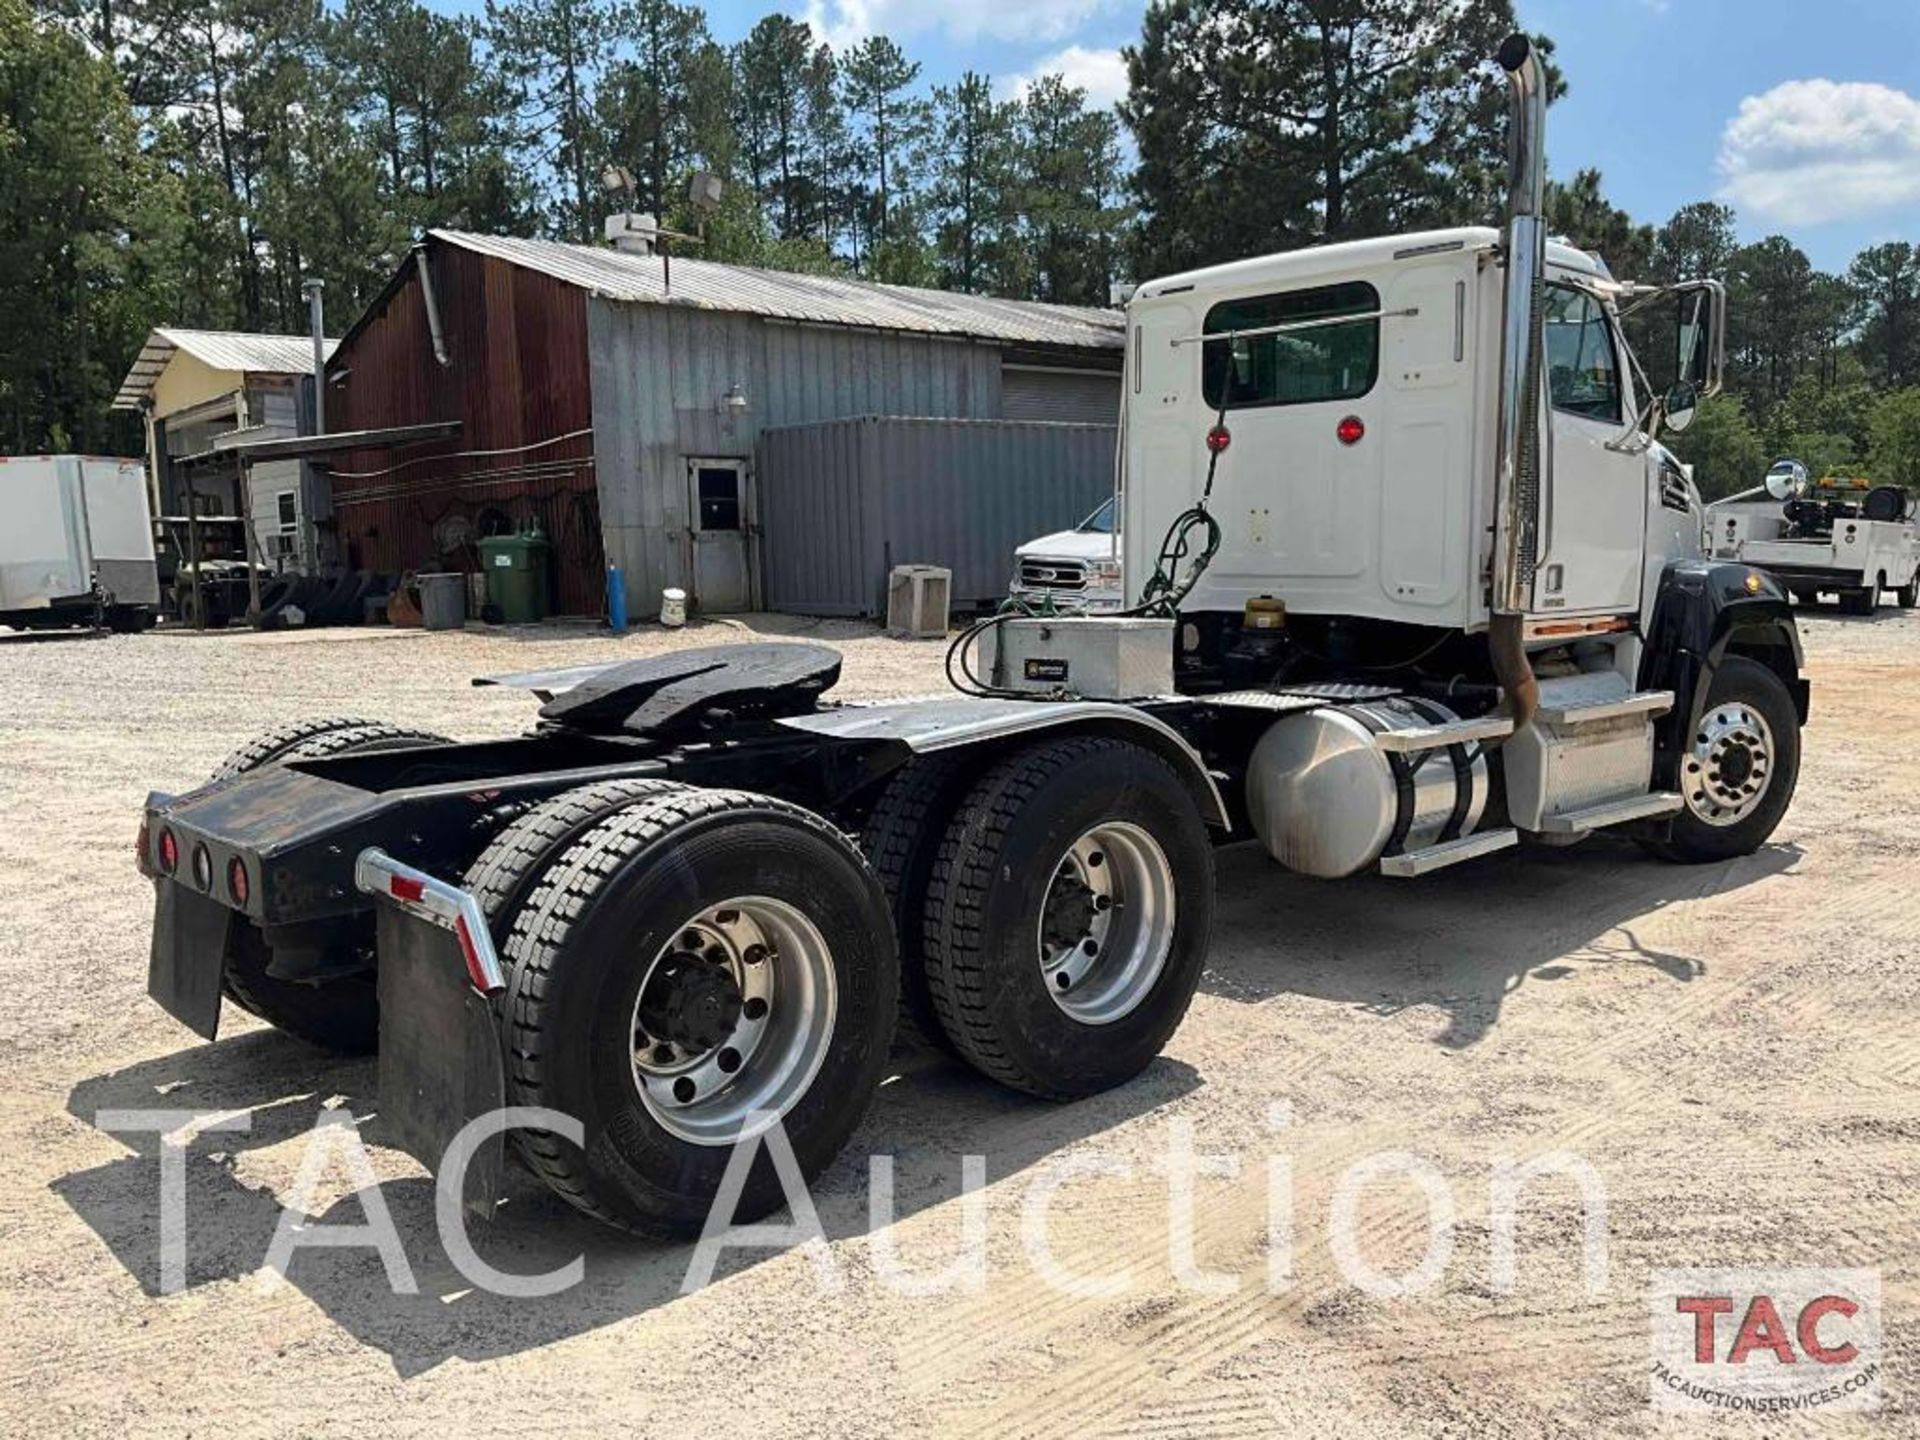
1101 73
1814 151
844 22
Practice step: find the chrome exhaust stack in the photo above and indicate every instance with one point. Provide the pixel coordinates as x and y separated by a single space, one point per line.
1524 458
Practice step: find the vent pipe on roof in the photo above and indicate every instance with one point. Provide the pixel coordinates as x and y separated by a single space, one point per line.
433 306
317 319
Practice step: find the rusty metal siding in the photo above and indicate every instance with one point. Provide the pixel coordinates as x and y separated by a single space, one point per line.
660 374
517 381
845 501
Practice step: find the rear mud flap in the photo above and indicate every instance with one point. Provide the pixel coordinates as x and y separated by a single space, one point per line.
192 936
440 1060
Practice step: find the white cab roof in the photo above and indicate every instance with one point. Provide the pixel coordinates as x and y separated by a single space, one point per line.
1295 267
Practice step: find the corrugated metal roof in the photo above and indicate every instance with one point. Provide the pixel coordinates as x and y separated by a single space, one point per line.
814 299
218 349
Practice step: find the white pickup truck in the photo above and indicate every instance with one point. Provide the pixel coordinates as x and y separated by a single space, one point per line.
1076 570
1834 536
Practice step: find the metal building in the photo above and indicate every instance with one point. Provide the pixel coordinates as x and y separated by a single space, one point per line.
197 389
618 399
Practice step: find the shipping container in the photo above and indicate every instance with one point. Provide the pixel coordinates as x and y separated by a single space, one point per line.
841 503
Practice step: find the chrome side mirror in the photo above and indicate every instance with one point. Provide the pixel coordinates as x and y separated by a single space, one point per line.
1680 406
1787 480
1696 324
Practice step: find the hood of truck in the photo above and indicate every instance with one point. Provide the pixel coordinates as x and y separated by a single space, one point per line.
1088 545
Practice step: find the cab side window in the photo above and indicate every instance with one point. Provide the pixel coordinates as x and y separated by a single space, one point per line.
1583 373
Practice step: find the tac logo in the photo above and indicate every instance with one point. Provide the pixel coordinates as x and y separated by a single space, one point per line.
1765 1341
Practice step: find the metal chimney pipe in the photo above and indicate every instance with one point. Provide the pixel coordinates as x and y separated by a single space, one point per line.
317 321
1524 457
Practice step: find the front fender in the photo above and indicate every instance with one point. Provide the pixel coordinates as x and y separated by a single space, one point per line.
1704 611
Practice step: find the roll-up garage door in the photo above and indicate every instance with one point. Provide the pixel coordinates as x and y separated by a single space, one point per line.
1082 397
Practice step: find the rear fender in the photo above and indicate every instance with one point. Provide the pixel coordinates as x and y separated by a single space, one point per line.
935 726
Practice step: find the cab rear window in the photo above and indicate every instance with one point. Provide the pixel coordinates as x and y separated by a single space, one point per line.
1300 367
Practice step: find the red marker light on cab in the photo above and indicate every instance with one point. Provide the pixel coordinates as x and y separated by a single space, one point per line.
1351 430
1219 438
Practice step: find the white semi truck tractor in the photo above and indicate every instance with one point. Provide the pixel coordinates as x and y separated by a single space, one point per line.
1409 580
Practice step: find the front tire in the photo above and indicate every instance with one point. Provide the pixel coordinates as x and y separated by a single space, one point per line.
1067 916
1738 773
682 963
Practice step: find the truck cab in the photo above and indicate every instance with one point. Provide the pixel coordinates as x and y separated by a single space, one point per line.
1356 474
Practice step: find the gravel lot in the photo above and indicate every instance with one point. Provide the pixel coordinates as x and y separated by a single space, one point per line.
1733 1049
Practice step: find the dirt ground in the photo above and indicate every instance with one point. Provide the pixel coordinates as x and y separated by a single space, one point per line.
1735 1050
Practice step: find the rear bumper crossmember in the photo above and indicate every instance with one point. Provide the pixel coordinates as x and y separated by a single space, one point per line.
378 874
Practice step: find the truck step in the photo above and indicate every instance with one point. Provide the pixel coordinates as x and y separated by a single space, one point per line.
1434 737
1644 702
1613 812
1438 857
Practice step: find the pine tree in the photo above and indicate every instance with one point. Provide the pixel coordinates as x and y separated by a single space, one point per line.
889 121
553 51
972 161
1269 124
646 105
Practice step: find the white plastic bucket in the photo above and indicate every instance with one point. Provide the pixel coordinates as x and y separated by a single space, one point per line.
673 607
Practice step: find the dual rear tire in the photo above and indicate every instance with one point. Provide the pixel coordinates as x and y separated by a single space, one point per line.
1056 925
684 970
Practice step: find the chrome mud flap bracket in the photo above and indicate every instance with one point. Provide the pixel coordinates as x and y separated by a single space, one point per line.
440 1059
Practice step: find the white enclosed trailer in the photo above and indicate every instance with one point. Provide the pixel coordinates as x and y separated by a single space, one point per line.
76 542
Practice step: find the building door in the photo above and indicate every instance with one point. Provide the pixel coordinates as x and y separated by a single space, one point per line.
722 521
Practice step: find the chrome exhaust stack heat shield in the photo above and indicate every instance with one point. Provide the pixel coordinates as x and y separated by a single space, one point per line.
1524 457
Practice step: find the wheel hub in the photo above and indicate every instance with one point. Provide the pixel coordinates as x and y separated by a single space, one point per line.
1106 924
691 1002
1729 768
733 1019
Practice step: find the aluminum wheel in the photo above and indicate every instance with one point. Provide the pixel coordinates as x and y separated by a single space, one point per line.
1107 923
735 1015
1730 766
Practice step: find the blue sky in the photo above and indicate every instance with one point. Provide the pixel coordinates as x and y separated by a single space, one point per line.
1805 114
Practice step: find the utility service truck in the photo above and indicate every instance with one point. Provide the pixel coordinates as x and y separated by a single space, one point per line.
1410 580
1835 536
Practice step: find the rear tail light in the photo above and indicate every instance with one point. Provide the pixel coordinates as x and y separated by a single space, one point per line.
140 849
202 867
169 852
237 886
